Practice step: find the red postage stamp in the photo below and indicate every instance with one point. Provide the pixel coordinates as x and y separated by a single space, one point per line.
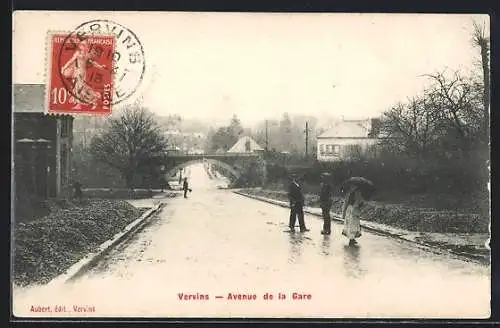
80 74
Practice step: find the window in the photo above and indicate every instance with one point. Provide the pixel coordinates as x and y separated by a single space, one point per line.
322 149
331 150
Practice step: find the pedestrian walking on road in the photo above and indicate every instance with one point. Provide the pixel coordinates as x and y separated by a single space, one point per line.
185 187
325 201
296 204
77 190
351 215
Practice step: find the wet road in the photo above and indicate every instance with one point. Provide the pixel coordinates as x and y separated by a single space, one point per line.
216 242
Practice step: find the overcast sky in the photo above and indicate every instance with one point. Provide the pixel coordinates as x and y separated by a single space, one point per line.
211 65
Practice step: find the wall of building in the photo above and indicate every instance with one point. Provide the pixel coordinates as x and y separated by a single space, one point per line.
335 149
65 132
44 167
35 162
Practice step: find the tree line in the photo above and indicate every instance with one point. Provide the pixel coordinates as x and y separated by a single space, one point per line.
449 120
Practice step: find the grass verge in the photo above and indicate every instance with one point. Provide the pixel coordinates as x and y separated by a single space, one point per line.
47 246
401 216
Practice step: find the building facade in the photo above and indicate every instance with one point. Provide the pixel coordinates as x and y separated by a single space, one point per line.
347 139
42 145
187 142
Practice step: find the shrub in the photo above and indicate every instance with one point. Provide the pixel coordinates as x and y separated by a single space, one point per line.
454 183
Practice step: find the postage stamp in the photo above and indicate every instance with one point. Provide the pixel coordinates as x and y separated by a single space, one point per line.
97 65
80 78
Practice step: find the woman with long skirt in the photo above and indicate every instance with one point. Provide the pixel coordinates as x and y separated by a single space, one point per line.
351 215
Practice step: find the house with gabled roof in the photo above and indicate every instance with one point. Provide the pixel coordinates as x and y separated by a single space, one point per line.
245 145
346 138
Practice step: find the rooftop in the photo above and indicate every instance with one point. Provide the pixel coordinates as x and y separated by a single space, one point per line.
29 98
348 129
240 146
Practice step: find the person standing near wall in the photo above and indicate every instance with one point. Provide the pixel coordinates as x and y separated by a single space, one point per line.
77 190
296 198
325 201
185 187
351 215
359 190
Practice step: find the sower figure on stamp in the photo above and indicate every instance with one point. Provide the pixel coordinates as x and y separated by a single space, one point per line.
296 204
75 69
325 201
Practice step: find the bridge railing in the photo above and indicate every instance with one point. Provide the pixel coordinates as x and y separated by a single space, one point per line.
212 155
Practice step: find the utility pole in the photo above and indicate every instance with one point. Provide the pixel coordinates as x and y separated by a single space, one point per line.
307 136
267 139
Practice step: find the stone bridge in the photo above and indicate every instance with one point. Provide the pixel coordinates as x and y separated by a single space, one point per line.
242 168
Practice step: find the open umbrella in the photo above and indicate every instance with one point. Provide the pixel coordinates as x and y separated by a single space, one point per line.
366 187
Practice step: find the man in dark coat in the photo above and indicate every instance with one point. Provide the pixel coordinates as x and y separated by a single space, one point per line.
185 187
77 190
296 204
325 201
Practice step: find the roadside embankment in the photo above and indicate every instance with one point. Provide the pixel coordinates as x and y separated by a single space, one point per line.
47 246
461 233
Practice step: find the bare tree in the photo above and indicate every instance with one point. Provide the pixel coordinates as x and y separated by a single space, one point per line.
130 140
456 100
481 41
411 127
226 136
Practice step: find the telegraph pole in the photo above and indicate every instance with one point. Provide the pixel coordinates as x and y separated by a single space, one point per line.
307 137
267 139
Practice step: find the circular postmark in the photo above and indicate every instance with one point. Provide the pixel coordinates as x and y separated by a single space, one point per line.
126 55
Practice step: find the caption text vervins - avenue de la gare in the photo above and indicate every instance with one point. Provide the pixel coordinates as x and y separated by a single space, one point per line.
244 297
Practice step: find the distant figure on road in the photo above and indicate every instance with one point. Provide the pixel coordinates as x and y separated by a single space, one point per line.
325 201
185 187
351 215
296 204
77 190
